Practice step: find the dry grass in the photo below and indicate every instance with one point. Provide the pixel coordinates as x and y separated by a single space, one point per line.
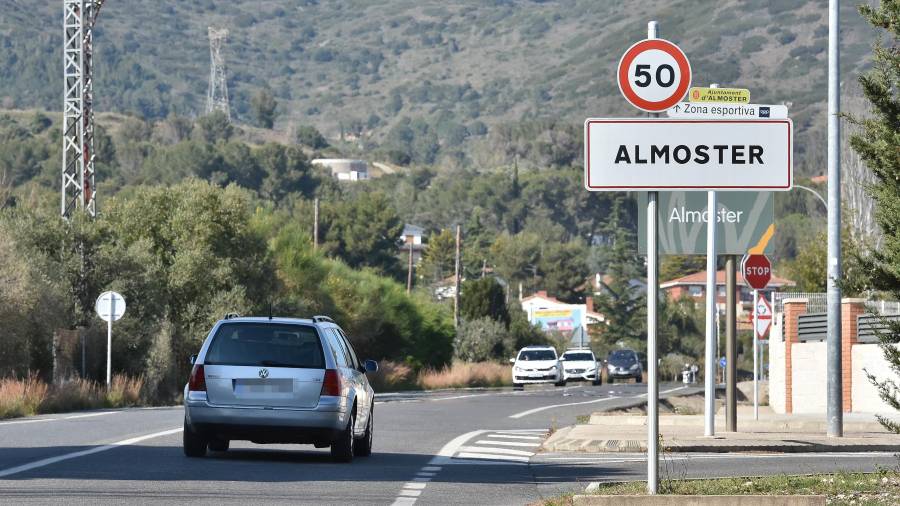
466 374
32 396
21 397
393 376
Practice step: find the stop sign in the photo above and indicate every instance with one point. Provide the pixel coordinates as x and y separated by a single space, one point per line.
757 271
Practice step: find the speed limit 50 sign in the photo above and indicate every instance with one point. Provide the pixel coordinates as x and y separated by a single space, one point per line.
654 75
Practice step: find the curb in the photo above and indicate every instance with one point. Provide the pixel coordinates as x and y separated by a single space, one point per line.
560 442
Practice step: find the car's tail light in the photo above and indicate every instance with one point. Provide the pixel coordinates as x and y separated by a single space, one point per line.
331 384
197 382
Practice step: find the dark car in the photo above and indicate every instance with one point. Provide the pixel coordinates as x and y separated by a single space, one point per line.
624 364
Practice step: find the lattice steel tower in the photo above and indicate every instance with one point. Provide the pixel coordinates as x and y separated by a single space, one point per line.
217 96
78 189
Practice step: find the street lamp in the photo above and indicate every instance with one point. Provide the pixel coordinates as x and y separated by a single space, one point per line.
810 190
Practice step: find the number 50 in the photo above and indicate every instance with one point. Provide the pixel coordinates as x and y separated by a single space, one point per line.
644 79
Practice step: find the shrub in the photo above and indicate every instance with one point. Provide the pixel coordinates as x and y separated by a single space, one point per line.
392 376
466 374
21 397
480 339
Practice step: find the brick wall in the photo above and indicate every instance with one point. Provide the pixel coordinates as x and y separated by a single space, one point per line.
793 308
851 309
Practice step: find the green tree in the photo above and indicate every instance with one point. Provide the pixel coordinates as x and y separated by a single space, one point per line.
564 271
675 266
877 143
481 339
214 127
310 137
620 301
264 107
439 258
363 230
482 298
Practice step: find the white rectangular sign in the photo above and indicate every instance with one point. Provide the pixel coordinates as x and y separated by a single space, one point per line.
713 110
633 154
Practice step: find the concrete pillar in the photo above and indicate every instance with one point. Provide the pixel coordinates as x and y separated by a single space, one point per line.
793 308
851 309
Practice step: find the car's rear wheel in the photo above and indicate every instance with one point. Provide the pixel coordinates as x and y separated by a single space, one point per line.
342 447
518 386
218 445
194 444
363 447
561 383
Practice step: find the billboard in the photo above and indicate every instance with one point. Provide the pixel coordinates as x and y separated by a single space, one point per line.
558 320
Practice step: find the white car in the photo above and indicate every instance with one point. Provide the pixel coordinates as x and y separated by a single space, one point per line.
581 365
537 364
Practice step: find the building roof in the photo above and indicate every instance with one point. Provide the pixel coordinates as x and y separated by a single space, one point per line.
543 295
410 229
699 278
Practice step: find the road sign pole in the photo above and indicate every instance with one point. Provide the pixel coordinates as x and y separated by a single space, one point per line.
835 401
755 356
730 345
112 311
711 342
652 302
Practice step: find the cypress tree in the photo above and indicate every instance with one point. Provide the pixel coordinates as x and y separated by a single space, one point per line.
878 144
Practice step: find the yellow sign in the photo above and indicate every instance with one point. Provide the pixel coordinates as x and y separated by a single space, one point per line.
553 313
727 95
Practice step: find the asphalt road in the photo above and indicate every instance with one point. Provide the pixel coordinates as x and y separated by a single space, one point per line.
463 447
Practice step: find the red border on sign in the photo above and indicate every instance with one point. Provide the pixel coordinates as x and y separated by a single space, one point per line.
645 45
587 155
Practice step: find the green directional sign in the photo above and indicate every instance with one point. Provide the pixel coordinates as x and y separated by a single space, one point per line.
745 223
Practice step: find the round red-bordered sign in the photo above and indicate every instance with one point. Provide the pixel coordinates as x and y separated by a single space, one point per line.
654 75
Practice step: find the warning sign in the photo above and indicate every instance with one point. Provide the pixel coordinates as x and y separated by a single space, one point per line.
727 95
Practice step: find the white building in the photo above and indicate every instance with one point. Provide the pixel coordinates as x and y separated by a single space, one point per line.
345 169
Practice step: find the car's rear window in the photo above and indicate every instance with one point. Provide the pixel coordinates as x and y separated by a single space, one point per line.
578 356
537 355
266 344
626 356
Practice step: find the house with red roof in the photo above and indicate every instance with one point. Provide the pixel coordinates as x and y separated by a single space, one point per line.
694 286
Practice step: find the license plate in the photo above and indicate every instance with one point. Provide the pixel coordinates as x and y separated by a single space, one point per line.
534 375
269 386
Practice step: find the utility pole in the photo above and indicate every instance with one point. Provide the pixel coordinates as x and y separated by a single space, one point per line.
316 223
456 279
835 408
730 344
409 270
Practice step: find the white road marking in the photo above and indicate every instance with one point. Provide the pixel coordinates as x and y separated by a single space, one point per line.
507 436
614 459
506 443
414 486
459 397
58 418
495 451
97 449
431 468
17 422
410 493
426 474
554 406
450 448
404 501
90 415
491 456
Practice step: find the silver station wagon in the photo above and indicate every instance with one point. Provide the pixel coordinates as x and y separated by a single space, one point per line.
279 380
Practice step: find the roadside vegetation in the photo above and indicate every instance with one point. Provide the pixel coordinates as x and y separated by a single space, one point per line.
393 376
882 487
32 396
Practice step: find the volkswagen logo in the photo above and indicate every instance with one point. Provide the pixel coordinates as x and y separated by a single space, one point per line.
263 373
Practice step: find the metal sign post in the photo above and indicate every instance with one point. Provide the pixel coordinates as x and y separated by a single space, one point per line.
709 426
110 307
652 302
755 356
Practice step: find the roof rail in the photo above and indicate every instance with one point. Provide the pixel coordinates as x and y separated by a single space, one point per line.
321 318
229 316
